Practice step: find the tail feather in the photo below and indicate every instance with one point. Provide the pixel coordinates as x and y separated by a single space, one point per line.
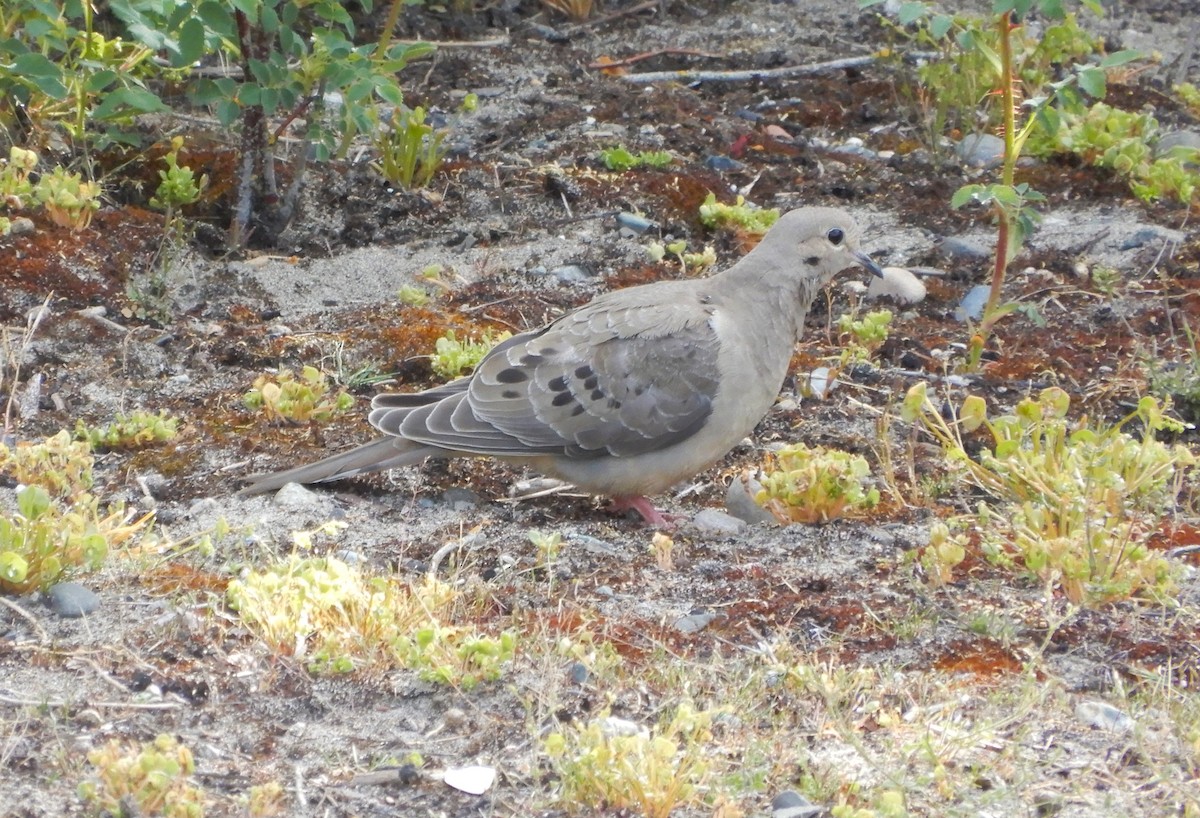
384 453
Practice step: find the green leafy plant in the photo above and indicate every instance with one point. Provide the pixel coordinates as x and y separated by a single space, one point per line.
65 75
649 773
815 485
1178 380
58 464
411 151
740 214
1121 141
453 357
68 200
1013 76
288 399
621 160
341 620
48 538
867 334
134 431
151 779
1073 505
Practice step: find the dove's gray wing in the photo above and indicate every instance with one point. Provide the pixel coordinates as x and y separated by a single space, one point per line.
630 373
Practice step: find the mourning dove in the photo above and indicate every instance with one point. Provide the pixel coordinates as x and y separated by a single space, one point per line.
631 393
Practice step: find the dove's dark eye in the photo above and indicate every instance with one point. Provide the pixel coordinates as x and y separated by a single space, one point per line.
835 236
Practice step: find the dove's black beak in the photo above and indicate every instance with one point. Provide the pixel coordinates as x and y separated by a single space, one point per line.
869 263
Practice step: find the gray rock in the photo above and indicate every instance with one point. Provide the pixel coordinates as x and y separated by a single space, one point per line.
715 521
791 804
972 304
963 249
296 496
1104 716
571 273
632 221
739 501
722 163
461 499
70 600
897 284
696 622
981 150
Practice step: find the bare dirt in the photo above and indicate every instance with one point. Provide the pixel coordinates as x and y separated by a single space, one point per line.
523 195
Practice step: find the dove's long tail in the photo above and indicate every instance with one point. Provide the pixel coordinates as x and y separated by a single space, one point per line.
384 453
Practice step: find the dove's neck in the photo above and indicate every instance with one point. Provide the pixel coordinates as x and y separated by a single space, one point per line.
774 294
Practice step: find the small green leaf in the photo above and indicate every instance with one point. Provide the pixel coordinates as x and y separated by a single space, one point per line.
973 413
191 42
940 26
1121 58
13 567
964 194
910 13
1092 81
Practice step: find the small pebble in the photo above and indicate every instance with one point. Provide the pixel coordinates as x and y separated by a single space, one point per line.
963 249
981 150
791 804
578 672
1103 716
632 221
70 600
897 284
739 501
571 273
294 495
717 522
972 304
694 623
722 163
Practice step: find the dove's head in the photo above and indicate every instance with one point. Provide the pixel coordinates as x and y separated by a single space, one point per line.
816 243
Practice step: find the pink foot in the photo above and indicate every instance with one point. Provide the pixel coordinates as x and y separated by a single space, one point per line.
642 505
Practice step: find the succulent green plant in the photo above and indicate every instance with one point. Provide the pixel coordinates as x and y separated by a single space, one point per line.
620 159
136 430
154 778
740 214
1072 504
340 620
288 399
69 201
816 485
58 464
411 151
648 773
452 357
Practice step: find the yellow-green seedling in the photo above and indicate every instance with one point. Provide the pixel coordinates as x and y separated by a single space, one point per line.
610 764
340 620
453 357
134 431
816 485
69 201
740 215
48 539
152 779
1189 95
867 334
264 800
16 190
288 399
413 296
58 464
620 159
410 152
1074 503
178 185
944 552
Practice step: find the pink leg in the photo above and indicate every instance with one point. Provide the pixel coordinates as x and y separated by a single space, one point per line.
642 505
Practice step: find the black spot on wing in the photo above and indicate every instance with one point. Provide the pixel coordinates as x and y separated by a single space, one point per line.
512 375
